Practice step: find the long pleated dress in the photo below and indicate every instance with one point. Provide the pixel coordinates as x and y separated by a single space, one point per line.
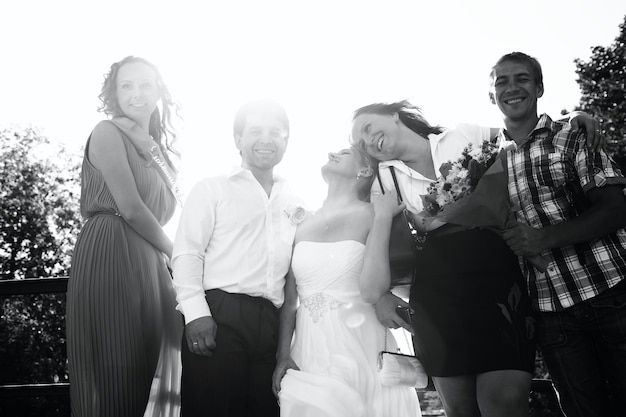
123 332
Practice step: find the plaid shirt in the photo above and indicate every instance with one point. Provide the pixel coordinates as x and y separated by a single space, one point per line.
549 174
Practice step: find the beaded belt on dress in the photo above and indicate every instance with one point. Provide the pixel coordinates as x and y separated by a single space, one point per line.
105 213
319 303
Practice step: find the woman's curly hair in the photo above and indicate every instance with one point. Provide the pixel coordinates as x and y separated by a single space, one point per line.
161 128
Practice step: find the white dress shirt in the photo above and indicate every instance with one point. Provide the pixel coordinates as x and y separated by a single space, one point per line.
446 146
233 237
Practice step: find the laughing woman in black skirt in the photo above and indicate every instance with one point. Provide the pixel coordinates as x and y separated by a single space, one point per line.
472 318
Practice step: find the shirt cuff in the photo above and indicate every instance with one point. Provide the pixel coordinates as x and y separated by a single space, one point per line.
194 308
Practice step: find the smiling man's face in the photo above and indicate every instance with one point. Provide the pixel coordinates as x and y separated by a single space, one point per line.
263 141
515 91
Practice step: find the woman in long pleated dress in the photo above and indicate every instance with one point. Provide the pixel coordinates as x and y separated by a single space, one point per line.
123 331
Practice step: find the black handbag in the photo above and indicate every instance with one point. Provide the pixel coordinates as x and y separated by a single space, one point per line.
402 244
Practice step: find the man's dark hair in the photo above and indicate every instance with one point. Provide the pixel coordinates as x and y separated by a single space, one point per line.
521 58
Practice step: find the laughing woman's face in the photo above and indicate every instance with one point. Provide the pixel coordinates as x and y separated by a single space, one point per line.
379 135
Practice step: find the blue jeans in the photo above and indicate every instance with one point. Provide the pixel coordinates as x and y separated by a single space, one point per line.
584 348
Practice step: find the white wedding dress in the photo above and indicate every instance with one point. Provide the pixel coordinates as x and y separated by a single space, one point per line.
337 340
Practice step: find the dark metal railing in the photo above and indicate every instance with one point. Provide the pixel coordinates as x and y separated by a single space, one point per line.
35 390
33 286
59 285
25 287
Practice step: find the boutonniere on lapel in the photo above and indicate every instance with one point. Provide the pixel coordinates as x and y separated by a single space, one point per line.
295 214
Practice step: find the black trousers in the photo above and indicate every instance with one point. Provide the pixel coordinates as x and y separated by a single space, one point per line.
237 379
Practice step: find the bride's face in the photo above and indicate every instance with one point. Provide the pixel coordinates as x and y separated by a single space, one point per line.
344 163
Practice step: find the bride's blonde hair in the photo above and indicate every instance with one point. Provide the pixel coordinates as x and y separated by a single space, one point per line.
365 184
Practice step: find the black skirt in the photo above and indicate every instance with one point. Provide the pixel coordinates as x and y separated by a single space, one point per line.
472 311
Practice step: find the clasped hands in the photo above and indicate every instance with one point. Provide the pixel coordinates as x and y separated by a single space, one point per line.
525 240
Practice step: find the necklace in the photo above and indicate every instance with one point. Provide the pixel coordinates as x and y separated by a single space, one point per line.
339 209
324 218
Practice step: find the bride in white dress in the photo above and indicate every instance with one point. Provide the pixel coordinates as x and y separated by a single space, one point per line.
330 366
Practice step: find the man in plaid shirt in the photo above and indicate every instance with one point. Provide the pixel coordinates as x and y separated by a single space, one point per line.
570 209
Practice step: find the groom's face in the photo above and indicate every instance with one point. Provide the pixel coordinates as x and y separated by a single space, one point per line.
263 141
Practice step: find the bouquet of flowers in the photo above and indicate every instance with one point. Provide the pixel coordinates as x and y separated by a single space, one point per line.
459 179
473 191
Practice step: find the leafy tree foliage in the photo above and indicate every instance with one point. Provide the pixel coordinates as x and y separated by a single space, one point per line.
39 223
38 205
602 81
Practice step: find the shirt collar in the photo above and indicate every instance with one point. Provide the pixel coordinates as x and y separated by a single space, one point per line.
237 170
434 139
544 123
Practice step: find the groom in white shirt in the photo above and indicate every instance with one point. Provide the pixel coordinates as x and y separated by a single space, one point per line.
231 254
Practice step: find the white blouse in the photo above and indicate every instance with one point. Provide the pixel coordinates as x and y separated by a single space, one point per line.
446 146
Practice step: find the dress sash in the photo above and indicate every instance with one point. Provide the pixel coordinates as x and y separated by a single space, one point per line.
139 135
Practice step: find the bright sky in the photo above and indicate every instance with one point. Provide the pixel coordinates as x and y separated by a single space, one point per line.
322 59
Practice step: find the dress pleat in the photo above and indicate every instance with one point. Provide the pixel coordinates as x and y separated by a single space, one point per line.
123 332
